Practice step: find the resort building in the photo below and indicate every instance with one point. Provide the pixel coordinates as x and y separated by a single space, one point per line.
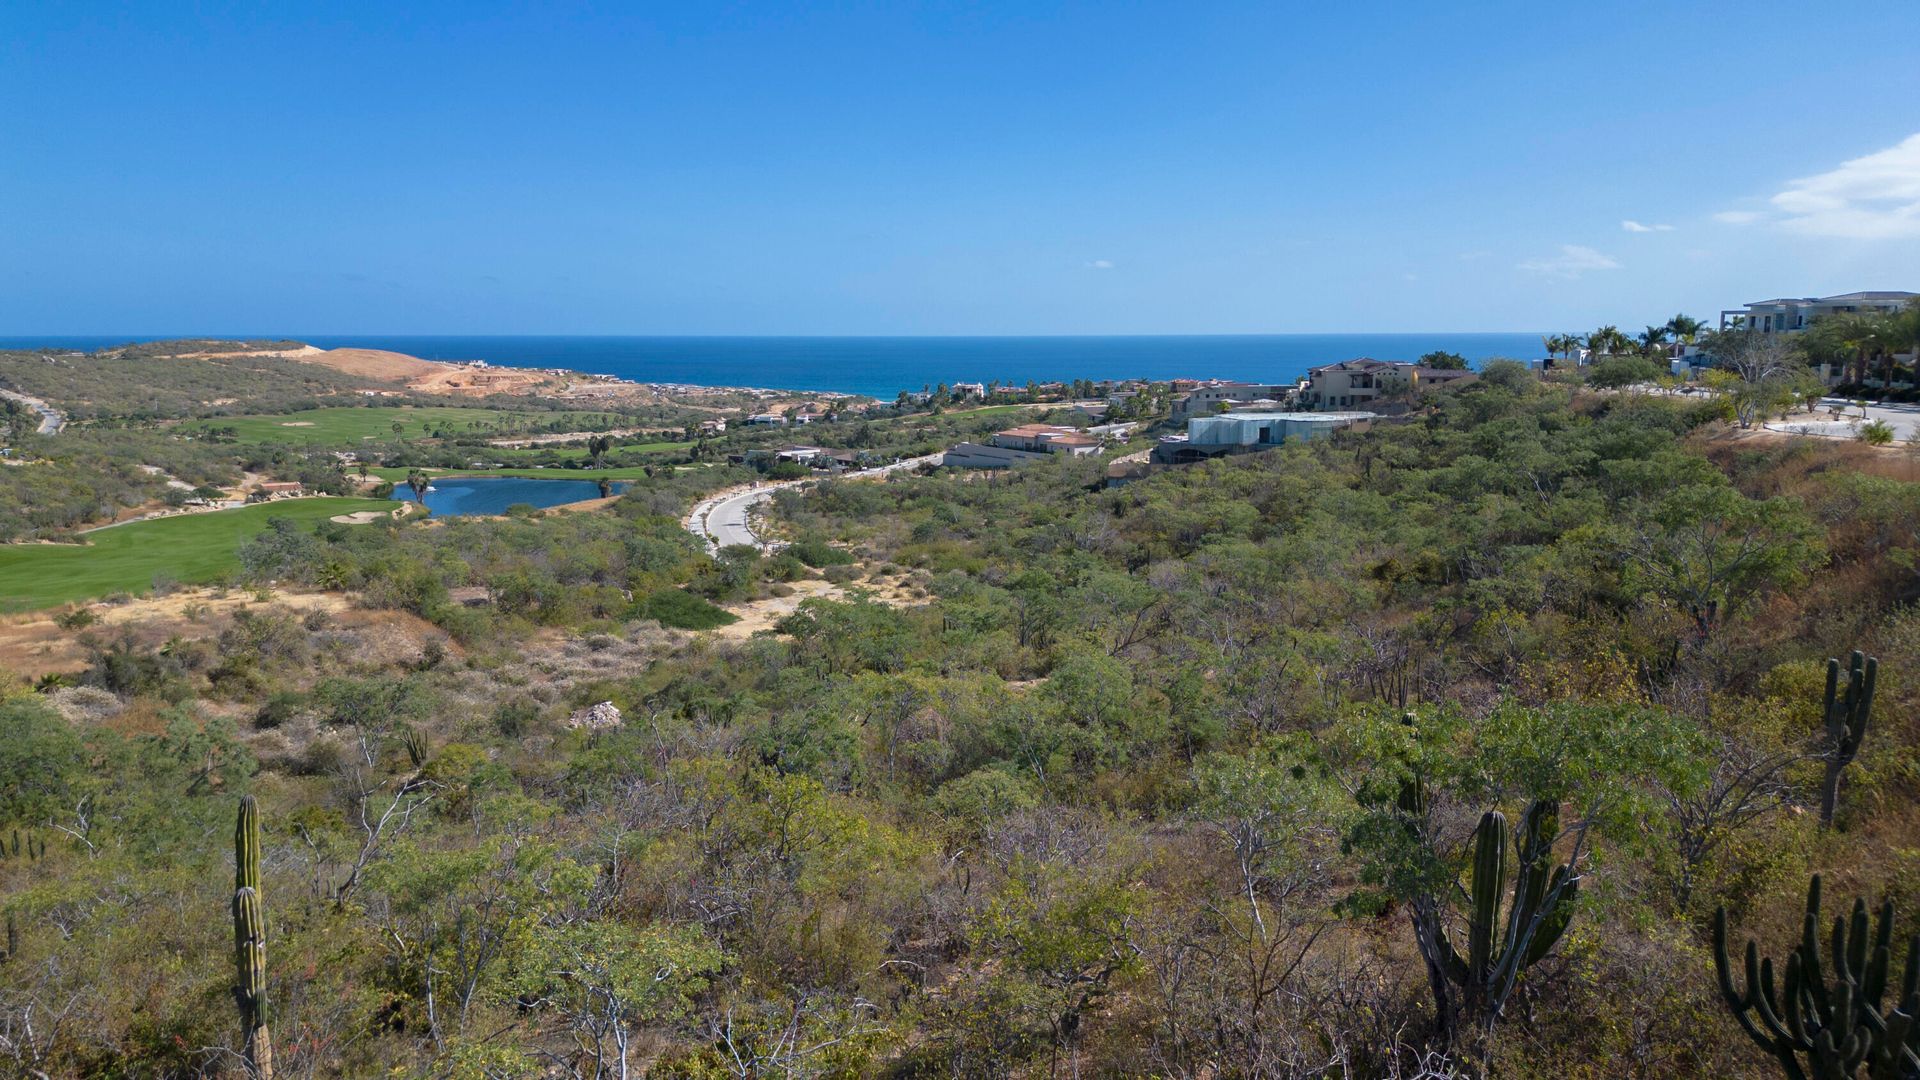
1245 432
769 419
1353 383
1790 315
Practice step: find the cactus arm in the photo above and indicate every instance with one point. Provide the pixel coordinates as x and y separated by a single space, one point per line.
246 846
1809 953
1489 879
1567 889
1450 959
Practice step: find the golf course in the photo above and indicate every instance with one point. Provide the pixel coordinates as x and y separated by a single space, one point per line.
190 549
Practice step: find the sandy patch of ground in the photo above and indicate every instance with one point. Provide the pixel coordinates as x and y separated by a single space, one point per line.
373 363
32 644
761 615
361 517
464 381
296 423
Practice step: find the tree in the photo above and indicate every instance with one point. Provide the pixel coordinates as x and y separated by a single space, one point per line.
1708 550
1761 372
603 977
1685 328
1444 361
1584 772
1608 341
419 483
1620 371
1653 340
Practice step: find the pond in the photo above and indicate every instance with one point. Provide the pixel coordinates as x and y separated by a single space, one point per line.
455 496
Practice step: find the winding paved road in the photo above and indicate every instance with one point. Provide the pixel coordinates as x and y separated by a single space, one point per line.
51 419
725 519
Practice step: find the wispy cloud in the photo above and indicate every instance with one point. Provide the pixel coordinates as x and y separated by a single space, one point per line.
1876 197
1099 264
1572 261
1634 226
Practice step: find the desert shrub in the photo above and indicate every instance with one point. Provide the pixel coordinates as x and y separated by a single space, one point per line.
819 554
683 611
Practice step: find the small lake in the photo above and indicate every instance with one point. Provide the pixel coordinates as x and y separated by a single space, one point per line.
455 496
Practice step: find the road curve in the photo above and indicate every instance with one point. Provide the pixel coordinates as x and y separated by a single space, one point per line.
51 419
725 519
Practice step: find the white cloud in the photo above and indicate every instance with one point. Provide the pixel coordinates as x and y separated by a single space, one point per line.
1875 197
1572 261
1100 264
1634 226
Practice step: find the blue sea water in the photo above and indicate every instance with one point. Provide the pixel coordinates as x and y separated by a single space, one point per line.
458 496
884 366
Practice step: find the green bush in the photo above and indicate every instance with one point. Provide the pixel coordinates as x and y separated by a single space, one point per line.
819 554
683 611
1876 433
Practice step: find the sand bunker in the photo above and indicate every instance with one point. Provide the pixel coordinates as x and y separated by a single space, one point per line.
360 517
296 423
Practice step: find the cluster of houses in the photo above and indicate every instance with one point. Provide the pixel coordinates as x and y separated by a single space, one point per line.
1350 384
805 414
817 458
1028 442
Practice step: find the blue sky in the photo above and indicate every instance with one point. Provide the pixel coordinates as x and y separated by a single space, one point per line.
929 169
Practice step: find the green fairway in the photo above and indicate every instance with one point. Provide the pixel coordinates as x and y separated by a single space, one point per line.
348 426
190 548
502 453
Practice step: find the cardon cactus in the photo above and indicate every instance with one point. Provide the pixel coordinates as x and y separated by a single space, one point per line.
249 942
1846 722
1818 1031
1541 908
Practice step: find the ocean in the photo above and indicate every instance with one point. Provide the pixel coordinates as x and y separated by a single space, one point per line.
884 366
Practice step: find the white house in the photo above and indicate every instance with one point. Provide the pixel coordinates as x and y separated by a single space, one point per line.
1788 315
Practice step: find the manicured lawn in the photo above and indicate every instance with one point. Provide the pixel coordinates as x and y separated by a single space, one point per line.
190 548
502 453
348 426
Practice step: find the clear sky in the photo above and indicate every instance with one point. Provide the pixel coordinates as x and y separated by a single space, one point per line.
982 168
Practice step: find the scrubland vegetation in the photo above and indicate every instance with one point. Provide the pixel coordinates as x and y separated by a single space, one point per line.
1190 778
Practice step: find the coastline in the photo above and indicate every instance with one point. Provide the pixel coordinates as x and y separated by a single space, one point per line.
881 367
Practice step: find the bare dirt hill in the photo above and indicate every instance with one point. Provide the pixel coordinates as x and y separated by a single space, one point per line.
374 363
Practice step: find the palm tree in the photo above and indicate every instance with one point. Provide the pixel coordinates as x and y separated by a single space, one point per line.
1652 339
1607 341
606 487
1685 328
418 483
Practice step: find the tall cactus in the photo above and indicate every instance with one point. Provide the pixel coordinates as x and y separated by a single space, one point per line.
1846 722
249 942
1541 908
1836 1029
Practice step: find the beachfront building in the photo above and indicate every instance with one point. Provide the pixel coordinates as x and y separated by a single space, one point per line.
1790 315
1245 432
1360 382
969 390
